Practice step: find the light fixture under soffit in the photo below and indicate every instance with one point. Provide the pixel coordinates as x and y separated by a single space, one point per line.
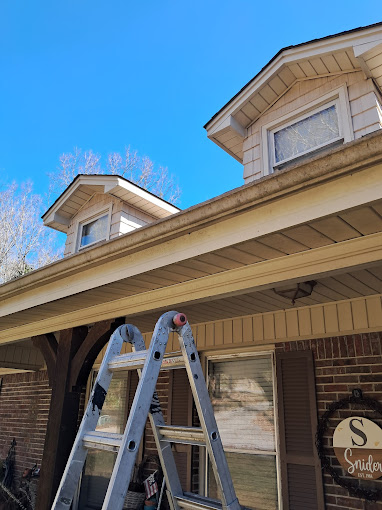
296 290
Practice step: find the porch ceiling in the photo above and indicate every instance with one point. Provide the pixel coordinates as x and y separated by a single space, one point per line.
316 220
362 223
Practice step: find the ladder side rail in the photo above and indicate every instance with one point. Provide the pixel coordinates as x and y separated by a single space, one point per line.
139 411
77 457
208 423
156 418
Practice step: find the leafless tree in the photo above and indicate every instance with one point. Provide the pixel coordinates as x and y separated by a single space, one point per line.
25 244
140 170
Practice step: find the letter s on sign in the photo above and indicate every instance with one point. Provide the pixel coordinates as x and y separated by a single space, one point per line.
357 431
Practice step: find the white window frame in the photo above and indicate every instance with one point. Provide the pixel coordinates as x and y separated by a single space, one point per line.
338 97
235 356
82 223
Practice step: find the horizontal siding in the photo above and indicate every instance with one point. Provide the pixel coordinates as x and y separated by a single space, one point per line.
91 208
363 107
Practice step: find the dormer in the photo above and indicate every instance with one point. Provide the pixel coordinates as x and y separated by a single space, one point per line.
308 98
96 208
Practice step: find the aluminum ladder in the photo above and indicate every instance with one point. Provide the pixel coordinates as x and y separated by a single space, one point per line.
146 403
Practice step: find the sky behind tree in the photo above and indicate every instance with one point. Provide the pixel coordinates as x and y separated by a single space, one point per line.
104 75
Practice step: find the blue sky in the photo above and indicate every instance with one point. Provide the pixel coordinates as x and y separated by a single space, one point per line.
103 75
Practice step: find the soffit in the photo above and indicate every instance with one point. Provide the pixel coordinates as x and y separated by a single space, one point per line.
325 185
331 230
322 58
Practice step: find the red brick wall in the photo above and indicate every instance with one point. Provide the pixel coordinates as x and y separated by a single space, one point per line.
24 408
149 447
342 364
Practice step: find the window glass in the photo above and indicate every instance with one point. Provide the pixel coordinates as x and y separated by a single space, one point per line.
307 134
241 393
94 231
99 464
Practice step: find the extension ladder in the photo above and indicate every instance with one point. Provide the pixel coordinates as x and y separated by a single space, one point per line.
145 403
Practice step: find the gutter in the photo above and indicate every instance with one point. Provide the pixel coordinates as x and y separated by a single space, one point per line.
342 160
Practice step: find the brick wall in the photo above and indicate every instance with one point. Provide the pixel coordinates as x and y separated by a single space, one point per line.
24 408
342 364
162 387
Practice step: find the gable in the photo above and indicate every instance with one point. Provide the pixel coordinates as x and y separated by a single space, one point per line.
359 115
359 49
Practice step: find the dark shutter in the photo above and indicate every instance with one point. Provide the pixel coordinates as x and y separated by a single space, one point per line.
301 476
133 385
181 409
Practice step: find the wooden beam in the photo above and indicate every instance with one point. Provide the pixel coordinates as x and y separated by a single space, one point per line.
86 355
62 420
311 264
48 345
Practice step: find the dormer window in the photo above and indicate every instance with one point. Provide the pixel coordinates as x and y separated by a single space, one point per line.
312 132
318 125
93 230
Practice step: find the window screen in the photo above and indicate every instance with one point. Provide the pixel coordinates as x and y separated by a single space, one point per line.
307 134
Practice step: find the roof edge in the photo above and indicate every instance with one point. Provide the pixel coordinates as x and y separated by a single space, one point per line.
354 156
283 50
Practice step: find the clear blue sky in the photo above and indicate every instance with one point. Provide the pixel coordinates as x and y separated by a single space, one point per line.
102 75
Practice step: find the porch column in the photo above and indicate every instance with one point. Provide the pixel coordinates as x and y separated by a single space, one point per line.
69 362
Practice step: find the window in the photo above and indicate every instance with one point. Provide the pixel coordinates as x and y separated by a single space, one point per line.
318 125
94 230
242 396
99 464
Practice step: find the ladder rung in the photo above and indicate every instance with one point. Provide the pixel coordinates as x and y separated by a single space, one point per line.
183 435
135 360
102 440
190 501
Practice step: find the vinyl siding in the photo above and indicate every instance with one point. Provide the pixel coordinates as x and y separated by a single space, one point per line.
363 99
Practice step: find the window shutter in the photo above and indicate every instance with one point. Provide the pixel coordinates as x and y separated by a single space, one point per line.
301 475
181 414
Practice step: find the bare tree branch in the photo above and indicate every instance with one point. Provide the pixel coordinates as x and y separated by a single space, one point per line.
25 244
140 170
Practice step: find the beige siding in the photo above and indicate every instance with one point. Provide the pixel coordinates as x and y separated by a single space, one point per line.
351 316
23 357
128 219
96 205
343 317
124 218
363 98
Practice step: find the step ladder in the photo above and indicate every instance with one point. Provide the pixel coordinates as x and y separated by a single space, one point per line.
146 403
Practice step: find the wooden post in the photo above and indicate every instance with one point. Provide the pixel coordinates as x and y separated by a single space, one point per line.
62 419
69 363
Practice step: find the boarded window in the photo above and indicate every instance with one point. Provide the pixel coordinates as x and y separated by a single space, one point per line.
242 396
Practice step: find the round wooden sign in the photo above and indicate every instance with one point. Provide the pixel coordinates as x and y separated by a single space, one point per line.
357 443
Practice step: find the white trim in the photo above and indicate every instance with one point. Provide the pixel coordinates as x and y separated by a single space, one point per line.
79 224
235 356
339 97
327 45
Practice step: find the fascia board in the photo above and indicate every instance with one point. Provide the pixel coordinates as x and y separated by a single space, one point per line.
229 124
81 180
361 52
293 55
112 188
357 155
